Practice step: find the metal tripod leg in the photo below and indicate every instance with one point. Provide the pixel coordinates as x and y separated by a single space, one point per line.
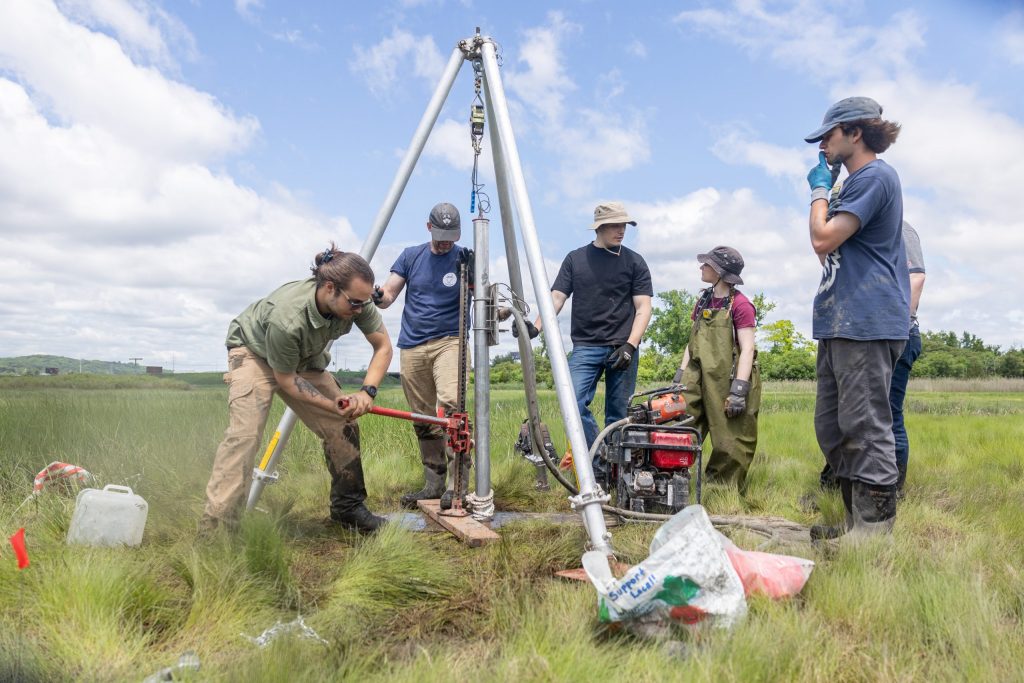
591 496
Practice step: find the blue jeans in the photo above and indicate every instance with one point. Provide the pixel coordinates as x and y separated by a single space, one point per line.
586 364
898 392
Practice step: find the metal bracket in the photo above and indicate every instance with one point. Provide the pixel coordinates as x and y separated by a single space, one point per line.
269 477
588 497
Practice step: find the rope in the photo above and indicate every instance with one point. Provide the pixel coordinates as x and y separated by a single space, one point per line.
482 506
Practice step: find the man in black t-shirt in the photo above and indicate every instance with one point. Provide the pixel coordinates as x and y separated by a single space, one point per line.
611 290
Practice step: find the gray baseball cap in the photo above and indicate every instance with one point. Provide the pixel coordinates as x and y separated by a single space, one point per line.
445 225
725 261
844 111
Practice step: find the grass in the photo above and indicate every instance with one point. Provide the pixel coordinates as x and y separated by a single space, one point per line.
942 601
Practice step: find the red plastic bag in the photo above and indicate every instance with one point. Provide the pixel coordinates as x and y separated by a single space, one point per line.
777 576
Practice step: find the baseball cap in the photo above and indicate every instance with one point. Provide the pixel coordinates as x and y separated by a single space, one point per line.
726 261
843 111
445 225
610 212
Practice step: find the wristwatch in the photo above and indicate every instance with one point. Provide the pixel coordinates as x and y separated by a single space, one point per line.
370 390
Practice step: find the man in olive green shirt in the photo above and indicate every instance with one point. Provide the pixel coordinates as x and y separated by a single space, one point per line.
280 344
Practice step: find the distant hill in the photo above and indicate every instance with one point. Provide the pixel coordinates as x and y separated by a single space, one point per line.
37 364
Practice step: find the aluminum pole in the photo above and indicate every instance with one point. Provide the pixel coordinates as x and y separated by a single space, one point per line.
591 497
369 248
481 368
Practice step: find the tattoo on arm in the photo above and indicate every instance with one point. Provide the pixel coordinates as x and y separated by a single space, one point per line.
305 387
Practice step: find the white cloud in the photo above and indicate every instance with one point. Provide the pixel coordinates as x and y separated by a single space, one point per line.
119 238
247 8
1010 41
145 31
380 65
637 48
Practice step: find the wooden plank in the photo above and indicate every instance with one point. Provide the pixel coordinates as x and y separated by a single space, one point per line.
466 529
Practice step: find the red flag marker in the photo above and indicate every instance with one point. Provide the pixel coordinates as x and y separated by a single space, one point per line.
18 543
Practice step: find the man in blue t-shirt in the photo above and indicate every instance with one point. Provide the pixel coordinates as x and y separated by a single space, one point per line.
861 310
429 340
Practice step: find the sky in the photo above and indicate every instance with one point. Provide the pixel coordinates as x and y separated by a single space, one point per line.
164 164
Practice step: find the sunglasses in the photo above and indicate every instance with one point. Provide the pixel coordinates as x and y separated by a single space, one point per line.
354 304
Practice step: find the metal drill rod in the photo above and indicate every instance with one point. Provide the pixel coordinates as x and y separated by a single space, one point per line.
481 359
591 497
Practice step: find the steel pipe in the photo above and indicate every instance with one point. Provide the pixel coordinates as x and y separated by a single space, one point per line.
591 497
481 358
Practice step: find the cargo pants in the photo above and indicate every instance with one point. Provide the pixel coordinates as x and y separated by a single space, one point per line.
251 388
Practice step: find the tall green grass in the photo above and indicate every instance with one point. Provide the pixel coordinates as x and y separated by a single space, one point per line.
943 600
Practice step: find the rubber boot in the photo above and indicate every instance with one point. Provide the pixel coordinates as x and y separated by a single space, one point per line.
901 480
821 532
449 494
874 509
432 455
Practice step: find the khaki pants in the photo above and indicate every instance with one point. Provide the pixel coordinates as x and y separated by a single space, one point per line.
430 380
251 388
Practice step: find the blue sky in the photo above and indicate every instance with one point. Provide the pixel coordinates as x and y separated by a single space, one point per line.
166 163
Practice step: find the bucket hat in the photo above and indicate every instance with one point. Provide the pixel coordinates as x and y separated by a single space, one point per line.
725 261
610 212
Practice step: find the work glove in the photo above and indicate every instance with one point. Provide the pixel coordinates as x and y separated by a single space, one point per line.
378 295
678 377
621 357
820 179
736 401
531 330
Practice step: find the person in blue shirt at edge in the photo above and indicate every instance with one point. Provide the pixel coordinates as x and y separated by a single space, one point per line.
861 313
611 289
429 342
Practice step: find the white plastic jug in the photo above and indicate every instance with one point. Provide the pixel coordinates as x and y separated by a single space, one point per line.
113 516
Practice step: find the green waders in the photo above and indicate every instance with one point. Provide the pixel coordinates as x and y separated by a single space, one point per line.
713 354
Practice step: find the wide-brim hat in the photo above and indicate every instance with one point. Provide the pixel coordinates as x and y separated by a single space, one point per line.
844 111
725 261
445 223
610 212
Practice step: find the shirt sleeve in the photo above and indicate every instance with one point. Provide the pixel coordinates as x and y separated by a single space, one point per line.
401 265
282 348
563 282
912 244
862 196
642 285
369 320
743 314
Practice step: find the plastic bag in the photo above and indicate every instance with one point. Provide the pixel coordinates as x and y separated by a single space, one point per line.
687 578
777 576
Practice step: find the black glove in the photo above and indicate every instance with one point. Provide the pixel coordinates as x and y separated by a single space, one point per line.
378 295
678 378
531 330
736 401
621 357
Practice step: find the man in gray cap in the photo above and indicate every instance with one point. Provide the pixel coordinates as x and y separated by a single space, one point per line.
861 310
429 340
611 289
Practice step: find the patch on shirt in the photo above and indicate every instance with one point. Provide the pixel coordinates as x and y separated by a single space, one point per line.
449 279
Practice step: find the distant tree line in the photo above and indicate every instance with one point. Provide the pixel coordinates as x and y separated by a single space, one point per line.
783 352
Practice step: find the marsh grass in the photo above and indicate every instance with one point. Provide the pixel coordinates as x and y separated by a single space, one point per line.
940 601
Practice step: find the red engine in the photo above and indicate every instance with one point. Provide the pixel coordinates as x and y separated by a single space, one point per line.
672 460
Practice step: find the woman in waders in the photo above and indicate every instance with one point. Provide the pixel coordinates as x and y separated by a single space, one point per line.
722 385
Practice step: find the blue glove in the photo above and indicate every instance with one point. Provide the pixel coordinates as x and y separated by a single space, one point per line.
820 175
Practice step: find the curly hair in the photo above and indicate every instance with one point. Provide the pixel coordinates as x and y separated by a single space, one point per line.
878 134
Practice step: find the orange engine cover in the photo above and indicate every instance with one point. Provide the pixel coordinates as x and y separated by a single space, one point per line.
666 407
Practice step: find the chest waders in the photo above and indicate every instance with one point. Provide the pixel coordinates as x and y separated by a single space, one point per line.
713 356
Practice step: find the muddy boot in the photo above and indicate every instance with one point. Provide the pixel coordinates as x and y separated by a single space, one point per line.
821 532
874 509
449 494
900 481
359 519
432 454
